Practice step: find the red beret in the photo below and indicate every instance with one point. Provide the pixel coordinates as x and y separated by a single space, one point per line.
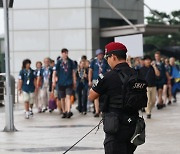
115 46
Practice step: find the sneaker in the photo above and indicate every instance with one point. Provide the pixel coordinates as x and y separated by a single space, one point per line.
174 101
44 110
96 115
149 116
84 113
1 105
64 115
51 110
169 103
31 113
39 110
69 114
159 106
27 115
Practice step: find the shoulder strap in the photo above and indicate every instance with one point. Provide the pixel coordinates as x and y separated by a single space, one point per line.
124 77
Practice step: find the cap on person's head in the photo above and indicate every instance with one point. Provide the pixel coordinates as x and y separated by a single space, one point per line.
64 50
147 57
99 51
115 47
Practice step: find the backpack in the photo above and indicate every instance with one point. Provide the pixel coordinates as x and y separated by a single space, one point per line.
133 91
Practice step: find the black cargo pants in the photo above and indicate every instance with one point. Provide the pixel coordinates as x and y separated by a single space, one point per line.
119 143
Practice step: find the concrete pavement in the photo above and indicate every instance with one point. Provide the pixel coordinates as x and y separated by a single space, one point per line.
47 133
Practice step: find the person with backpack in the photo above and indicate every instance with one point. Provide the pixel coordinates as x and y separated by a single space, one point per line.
122 93
149 72
27 86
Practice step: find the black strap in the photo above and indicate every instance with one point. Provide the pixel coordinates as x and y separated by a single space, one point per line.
97 126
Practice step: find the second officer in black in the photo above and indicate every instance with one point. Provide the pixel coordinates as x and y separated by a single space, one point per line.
109 89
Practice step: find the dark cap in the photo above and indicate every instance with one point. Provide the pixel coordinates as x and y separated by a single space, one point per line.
115 47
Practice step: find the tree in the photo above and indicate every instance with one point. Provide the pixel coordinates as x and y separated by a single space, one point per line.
165 39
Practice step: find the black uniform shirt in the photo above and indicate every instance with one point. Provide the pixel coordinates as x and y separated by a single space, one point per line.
148 75
110 83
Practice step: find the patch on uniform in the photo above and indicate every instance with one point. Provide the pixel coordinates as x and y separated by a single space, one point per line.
19 77
38 73
101 76
54 68
96 83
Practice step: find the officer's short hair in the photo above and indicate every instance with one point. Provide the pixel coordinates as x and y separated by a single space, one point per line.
120 55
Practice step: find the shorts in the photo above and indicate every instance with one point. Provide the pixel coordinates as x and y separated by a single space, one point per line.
28 97
64 90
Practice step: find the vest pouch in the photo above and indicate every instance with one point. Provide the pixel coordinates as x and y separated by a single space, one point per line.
111 123
138 137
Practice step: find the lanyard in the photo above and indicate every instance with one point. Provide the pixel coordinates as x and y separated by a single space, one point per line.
100 65
65 66
46 73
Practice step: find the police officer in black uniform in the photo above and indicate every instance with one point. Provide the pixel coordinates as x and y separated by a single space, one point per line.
109 89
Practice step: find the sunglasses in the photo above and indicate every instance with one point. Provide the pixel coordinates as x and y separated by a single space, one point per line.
106 56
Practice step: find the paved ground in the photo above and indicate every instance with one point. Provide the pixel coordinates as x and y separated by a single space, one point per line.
49 134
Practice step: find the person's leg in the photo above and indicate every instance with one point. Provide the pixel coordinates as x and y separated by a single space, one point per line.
58 102
175 88
84 99
165 93
43 99
151 101
39 103
79 94
26 104
153 97
31 102
68 103
160 100
69 92
169 94
63 105
160 92
148 108
47 96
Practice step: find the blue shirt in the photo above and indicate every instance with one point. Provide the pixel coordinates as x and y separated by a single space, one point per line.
27 77
175 71
46 74
65 72
99 67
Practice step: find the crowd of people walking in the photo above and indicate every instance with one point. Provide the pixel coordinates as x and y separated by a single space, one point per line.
57 84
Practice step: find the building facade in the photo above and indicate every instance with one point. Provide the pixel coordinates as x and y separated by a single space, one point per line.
41 28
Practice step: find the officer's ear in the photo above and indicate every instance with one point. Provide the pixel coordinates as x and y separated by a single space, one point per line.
114 57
